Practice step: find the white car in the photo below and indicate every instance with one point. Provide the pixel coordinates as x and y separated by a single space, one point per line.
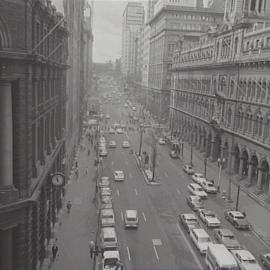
107 116
104 181
209 187
103 152
119 176
188 169
107 218
198 178
125 144
120 131
209 218
161 141
189 221
111 131
201 239
105 191
196 190
245 260
112 144
110 259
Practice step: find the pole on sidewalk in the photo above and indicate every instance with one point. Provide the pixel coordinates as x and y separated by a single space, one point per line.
205 165
141 137
191 155
237 198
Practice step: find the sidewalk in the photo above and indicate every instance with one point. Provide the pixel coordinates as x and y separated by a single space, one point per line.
256 210
78 227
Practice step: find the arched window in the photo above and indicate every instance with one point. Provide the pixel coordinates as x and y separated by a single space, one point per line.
235 46
267 128
253 93
244 90
217 53
249 90
259 90
232 89
263 95
229 117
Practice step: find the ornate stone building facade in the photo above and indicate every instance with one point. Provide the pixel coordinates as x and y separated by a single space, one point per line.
33 53
168 25
220 98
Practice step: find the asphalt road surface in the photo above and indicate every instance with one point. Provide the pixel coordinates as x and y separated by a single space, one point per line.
160 242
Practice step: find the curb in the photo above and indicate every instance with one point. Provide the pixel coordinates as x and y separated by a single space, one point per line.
144 175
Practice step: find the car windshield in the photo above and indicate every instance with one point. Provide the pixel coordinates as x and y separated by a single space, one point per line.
204 239
239 217
249 261
110 262
199 189
131 218
231 237
191 220
210 215
209 184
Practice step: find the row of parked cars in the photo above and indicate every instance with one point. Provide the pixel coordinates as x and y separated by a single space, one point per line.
223 251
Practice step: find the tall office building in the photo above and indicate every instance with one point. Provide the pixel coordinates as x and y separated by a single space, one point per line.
132 23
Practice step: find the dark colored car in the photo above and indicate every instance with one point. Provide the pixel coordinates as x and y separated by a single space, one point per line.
237 219
265 259
195 203
189 221
226 237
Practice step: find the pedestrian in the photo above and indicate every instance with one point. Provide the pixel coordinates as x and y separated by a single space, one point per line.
76 164
54 251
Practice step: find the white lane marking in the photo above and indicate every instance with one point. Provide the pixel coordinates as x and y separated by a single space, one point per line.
165 173
122 216
136 192
259 237
154 247
190 247
178 191
118 193
128 254
144 217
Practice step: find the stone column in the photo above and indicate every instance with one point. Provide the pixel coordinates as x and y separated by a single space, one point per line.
250 172
259 182
6 249
7 191
241 166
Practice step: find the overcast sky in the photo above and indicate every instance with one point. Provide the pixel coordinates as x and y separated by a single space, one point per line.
107 27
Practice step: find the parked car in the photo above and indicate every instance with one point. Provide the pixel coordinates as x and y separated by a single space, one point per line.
125 144
237 219
189 221
265 259
112 144
226 237
105 191
195 202
107 218
198 178
119 176
201 239
208 187
104 181
111 131
161 141
197 190
188 169
103 152
245 260
209 218
173 154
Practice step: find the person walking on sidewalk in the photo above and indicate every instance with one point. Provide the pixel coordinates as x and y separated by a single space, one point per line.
54 251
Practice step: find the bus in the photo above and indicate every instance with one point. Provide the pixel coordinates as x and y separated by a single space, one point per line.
218 257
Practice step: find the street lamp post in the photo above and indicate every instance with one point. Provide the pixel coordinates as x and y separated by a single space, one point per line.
220 164
141 139
191 155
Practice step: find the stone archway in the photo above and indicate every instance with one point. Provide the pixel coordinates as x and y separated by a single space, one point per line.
265 177
236 164
253 170
245 158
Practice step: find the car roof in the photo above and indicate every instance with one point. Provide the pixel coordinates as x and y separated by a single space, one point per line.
111 254
106 211
118 172
105 178
200 232
236 213
131 213
244 254
189 215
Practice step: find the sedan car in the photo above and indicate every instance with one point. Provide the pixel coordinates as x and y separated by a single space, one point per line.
209 218
106 199
227 238
195 202
198 178
105 191
104 182
106 205
245 260
103 152
111 131
188 169
265 259
120 131
237 219
189 221
173 154
161 141
119 176
112 144
125 144
209 187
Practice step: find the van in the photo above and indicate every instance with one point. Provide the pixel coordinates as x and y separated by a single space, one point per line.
110 259
218 257
107 218
108 238
131 219
201 239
